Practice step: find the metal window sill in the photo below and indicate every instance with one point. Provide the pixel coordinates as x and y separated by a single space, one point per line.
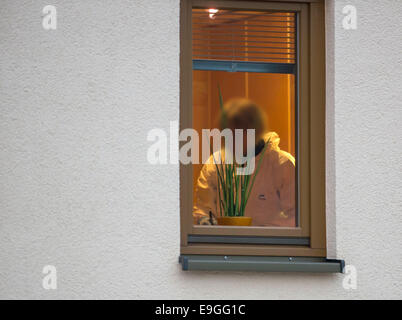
260 264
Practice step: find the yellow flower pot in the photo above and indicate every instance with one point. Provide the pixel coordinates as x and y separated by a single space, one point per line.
234 221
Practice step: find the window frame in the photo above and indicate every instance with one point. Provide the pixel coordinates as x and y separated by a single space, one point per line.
311 110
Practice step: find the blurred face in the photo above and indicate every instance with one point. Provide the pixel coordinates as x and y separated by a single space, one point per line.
243 114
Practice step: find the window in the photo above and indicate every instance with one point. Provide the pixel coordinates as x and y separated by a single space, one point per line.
243 62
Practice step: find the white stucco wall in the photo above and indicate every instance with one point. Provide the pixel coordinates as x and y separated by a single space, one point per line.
76 190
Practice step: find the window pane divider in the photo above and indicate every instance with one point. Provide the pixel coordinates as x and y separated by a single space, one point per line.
298 241
244 66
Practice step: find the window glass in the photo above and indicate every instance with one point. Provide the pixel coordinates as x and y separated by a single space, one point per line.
244 78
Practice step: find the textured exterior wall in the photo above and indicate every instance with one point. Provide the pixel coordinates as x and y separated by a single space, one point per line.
76 190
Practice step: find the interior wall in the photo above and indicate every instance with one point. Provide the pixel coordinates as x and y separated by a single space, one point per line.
77 192
275 94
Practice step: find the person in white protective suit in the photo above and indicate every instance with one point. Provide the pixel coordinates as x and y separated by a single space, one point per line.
272 200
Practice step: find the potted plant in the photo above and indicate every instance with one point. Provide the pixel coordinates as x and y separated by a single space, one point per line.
234 189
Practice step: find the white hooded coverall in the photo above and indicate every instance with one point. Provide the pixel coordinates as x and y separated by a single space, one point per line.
272 199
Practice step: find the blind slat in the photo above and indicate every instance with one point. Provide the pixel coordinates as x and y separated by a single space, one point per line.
244 36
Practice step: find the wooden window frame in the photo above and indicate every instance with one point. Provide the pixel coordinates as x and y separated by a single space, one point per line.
311 157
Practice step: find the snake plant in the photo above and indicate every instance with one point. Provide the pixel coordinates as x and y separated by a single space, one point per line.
233 189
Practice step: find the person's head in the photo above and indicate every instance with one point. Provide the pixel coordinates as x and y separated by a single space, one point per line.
242 113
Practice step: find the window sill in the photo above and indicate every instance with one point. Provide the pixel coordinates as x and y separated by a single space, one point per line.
260 264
